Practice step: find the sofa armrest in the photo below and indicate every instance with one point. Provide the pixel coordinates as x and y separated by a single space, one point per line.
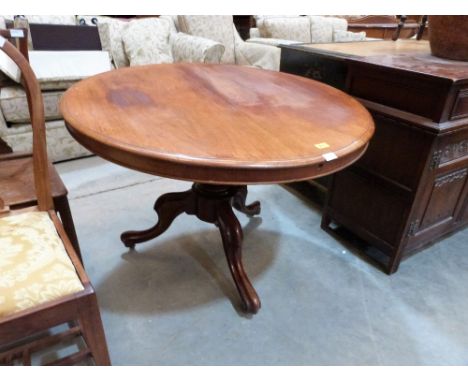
188 48
259 55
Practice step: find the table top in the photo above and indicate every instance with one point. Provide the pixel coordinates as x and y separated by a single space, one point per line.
220 124
409 55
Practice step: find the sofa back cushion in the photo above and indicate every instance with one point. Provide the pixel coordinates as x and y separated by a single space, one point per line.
322 29
286 28
216 28
110 33
146 41
339 23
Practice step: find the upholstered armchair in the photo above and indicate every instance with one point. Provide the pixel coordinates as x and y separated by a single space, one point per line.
223 30
276 30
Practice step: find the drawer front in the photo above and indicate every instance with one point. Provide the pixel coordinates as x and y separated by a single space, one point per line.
460 108
400 89
307 64
453 148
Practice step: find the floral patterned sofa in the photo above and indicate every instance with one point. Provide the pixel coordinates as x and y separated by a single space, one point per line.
276 30
124 43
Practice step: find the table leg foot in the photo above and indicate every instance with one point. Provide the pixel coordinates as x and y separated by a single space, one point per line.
231 233
167 207
238 202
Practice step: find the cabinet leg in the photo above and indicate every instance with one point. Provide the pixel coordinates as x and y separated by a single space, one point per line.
326 220
393 263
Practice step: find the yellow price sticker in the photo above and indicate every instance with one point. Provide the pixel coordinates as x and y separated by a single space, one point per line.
322 145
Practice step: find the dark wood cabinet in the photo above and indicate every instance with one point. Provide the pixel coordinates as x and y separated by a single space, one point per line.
410 188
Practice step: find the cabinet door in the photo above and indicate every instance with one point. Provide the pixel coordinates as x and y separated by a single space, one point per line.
446 195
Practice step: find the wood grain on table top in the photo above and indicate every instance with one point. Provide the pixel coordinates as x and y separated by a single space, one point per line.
214 116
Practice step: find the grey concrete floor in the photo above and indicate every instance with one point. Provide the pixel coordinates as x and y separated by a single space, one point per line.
172 300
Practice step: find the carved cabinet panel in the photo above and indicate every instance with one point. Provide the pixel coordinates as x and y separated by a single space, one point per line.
444 198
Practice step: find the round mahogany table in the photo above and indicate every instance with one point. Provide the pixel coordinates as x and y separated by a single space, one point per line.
222 127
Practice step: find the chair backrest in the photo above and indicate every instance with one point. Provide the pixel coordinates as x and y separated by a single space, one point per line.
36 111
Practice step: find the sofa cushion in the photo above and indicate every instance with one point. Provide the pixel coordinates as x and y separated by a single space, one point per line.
34 265
57 70
14 104
110 33
146 41
286 28
60 144
212 27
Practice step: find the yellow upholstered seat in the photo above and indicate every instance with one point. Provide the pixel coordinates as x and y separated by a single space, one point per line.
34 266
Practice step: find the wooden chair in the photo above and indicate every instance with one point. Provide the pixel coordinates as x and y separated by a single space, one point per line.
17 183
42 281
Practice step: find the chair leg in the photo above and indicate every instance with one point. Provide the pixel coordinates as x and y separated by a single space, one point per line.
93 332
63 209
